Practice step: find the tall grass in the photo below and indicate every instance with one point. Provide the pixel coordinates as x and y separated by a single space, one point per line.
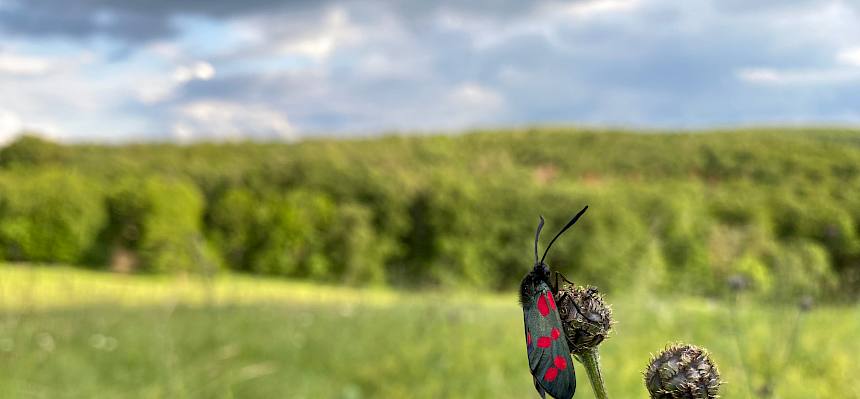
67 333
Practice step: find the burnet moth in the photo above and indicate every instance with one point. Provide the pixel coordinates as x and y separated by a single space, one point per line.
548 352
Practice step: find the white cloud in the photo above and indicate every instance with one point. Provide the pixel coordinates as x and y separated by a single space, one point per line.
80 95
592 8
849 56
545 21
464 105
200 70
159 89
770 76
759 75
10 125
169 51
336 30
316 47
394 64
24 65
476 96
225 120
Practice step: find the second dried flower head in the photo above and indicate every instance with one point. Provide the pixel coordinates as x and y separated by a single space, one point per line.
682 372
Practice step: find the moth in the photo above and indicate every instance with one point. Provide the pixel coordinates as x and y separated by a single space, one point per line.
546 343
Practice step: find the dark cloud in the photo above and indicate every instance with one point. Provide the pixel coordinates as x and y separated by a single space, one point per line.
143 20
367 66
641 70
127 20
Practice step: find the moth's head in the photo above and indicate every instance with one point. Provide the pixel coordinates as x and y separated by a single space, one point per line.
541 271
529 286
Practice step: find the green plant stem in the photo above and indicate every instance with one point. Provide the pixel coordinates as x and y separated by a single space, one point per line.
736 331
590 358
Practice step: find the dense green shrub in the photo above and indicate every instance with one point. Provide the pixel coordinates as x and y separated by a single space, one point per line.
159 220
48 216
801 267
293 240
234 224
29 151
356 251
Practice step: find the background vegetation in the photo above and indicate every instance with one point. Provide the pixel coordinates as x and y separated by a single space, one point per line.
709 237
677 212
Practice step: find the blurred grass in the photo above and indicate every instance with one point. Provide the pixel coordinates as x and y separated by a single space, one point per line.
67 333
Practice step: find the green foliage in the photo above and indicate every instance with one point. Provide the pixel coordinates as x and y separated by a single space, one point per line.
293 243
801 267
159 220
30 150
672 212
298 234
48 216
234 221
356 251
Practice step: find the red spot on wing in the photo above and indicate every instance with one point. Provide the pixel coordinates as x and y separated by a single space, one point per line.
554 333
551 301
550 375
529 339
544 342
542 307
560 362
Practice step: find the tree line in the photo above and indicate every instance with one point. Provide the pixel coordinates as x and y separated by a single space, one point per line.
673 211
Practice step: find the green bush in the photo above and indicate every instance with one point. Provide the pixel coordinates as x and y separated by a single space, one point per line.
356 252
159 220
48 216
801 267
235 227
30 151
294 242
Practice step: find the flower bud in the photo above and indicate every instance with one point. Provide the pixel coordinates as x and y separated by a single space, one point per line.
682 372
586 318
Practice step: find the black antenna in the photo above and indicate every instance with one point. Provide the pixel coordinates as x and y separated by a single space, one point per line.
537 236
567 226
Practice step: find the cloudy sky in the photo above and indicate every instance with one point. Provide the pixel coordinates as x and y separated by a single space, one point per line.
119 70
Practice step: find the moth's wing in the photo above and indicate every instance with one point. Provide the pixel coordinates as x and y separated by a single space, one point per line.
529 349
549 356
539 388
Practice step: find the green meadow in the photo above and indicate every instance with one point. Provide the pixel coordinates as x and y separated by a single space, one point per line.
386 267
72 333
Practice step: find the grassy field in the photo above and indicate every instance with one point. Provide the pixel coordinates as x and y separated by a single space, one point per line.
68 333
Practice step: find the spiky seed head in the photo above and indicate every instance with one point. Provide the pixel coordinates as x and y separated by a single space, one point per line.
586 318
682 372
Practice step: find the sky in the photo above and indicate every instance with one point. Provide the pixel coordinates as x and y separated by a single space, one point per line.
156 70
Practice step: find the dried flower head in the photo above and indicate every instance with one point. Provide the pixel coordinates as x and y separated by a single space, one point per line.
682 372
586 317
